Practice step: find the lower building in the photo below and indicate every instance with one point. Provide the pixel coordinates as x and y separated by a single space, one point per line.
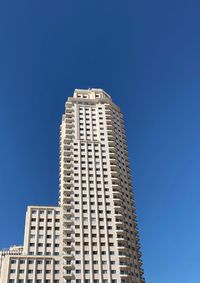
38 261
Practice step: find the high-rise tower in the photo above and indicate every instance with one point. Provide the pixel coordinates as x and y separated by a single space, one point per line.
92 236
100 237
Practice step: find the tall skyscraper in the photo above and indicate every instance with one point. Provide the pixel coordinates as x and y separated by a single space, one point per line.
92 236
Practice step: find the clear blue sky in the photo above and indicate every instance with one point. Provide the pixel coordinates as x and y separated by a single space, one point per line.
146 54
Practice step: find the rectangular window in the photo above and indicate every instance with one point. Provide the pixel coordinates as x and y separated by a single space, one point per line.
13 261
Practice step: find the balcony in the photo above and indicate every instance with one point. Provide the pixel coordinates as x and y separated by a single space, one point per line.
67 172
68 167
67 146
123 255
114 168
69 119
67 199
124 275
119 217
68 221
69 131
68 266
67 158
68 187
68 276
116 187
111 144
113 161
141 271
67 178
68 205
68 248
111 138
68 107
67 239
124 266
123 249
68 192
121 232
67 230
118 208
68 256
109 115
115 180
140 262
68 213
120 225
117 196
115 174
110 125
69 125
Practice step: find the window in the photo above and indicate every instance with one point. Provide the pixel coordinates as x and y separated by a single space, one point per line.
21 271
39 262
39 271
22 261
56 271
30 271
13 261
48 271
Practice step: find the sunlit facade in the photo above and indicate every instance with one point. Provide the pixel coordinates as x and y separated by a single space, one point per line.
92 236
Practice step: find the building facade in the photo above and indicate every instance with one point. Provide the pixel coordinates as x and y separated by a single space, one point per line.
92 236
38 261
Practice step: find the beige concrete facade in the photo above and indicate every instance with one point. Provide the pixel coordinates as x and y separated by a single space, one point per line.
100 236
92 236
39 260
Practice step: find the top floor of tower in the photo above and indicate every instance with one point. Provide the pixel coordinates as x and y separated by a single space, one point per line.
91 93
91 96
